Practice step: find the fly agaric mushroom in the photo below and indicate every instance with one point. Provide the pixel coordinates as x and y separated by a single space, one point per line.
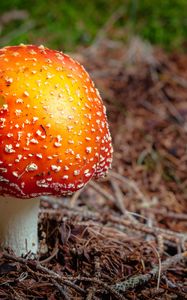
54 137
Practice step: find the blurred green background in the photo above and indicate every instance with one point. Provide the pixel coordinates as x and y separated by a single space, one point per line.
68 24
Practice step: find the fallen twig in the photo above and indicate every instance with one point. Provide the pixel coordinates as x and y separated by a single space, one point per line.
69 282
167 214
103 192
61 289
99 282
136 281
50 274
168 235
120 201
132 184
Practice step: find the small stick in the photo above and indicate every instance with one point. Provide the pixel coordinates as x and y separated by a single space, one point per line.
103 192
159 265
75 197
105 286
167 235
132 184
167 214
136 281
120 203
91 293
61 289
53 254
51 274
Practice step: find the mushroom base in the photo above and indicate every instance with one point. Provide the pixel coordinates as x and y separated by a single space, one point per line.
19 224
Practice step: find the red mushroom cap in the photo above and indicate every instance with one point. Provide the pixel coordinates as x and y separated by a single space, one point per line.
54 135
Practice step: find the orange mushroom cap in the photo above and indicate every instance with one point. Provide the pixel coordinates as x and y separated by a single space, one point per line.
54 134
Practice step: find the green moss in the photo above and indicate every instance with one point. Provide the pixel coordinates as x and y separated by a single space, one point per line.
66 24
162 22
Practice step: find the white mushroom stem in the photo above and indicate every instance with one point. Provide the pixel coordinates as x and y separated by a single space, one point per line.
19 224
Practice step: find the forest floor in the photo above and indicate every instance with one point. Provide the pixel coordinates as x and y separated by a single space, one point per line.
124 237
